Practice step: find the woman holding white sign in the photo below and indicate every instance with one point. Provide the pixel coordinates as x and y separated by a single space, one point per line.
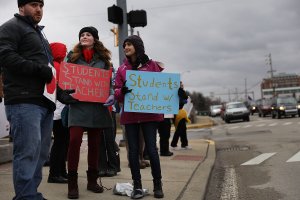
92 117
134 121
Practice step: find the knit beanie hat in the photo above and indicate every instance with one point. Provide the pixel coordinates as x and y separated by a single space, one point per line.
90 29
24 2
137 42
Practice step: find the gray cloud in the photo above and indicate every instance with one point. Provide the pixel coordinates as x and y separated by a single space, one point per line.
221 42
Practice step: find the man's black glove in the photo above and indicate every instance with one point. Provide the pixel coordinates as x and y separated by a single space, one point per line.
46 73
125 89
64 96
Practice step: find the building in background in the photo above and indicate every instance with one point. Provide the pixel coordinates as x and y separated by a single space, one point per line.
281 85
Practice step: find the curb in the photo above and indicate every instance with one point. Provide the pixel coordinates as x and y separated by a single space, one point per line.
201 175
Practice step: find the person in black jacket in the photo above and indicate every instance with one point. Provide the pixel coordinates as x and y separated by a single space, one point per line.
26 61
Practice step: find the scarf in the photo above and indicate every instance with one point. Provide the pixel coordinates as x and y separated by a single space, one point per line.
88 54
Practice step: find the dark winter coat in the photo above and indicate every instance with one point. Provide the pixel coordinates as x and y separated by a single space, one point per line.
23 52
90 114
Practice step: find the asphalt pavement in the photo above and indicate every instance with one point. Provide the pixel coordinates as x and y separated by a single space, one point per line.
185 174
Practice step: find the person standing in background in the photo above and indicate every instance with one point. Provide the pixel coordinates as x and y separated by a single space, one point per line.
92 117
25 59
164 130
180 122
58 153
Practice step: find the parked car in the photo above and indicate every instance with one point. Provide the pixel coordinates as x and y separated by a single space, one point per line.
284 106
235 111
264 107
215 110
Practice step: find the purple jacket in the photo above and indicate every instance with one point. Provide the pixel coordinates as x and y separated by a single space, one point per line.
134 117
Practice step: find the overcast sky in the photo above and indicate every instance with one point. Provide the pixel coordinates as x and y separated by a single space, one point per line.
215 44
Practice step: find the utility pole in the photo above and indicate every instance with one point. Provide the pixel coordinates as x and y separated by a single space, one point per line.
271 72
246 93
123 29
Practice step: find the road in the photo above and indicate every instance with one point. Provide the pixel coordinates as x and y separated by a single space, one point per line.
256 160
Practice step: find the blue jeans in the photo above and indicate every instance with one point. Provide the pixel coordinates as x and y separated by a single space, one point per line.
149 130
31 127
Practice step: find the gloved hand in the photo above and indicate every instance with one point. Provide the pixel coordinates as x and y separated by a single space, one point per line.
110 100
125 89
70 91
64 96
46 73
182 94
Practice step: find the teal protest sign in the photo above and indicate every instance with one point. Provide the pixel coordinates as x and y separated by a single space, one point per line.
152 92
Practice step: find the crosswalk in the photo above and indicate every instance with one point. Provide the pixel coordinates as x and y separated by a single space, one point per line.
256 124
265 156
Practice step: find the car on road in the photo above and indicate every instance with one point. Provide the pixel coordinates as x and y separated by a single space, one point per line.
252 106
264 107
215 110
235 111
284 106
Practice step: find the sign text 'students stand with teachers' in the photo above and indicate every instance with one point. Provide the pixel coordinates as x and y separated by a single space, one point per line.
152 92
91 84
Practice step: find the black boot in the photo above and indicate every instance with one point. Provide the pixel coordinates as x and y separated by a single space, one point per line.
137 192
73 185
92 185
158 192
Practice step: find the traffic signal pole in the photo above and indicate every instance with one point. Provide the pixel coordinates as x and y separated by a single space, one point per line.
123 34
123 29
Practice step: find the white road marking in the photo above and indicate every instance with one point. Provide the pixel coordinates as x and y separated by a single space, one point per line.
287 123
294 158
274 124
247 126
230 186
260 125
234 127
259 159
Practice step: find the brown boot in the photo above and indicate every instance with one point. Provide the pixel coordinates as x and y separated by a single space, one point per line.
73 185
92 185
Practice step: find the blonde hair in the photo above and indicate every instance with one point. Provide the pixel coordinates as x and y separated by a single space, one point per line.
101 52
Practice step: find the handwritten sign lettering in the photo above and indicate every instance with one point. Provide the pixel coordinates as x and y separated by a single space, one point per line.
152 92
91 84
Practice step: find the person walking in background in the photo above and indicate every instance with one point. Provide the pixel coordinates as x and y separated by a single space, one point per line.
133 121
164 130
91 117
180 121
25 57
58 153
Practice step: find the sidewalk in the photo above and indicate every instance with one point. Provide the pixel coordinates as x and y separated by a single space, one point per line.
185 175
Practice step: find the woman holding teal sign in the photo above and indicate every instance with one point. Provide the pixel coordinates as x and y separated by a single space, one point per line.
133 121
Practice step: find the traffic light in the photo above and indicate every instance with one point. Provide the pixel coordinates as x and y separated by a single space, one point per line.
137 18
116 33
115 14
